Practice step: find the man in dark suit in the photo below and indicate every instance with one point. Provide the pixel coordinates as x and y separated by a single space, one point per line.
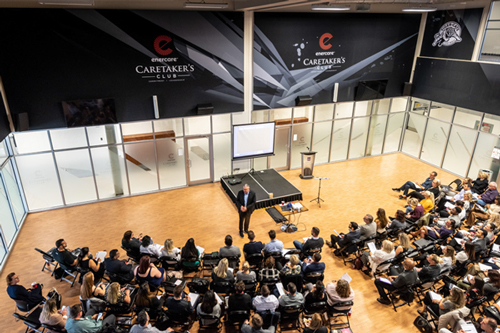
345 241
405 279
119 267
177 306
313 242
245 201
313 265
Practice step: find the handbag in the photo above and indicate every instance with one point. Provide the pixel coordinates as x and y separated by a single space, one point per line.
198 285
422 325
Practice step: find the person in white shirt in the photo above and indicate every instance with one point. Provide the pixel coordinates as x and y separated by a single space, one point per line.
143 325
266 301
460 195
274 245
171 251
148 247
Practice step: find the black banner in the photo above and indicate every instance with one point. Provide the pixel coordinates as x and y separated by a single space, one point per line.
185 58
451 33
306 54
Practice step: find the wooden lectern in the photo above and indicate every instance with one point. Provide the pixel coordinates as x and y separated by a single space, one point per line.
307 164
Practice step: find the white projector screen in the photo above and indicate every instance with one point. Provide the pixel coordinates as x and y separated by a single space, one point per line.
253 140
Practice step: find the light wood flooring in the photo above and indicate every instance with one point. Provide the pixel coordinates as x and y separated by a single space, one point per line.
206 213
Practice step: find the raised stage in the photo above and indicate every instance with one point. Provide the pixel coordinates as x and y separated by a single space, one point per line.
262 183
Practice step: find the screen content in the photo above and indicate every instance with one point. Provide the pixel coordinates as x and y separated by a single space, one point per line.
253 140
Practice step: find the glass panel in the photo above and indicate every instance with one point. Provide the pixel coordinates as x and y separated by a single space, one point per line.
104 135
141 166
340 140
467 117
3 252
358 137
68 138
260 163
222 155
280 114
199 159
303 114
482 156
442 111
280 158
393 132
6 219
399 104
381 106
495 10
30 142
435 141
344 110
197 125
420 106
323 112
171 163
16 200
459 150
413 134
139 131
260 116
4 153
321 141
39 179
363 108
301 139
76 176
221 123
491 45
491 124
166 125
376 137
110 173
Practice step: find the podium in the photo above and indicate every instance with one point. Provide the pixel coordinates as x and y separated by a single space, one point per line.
307 164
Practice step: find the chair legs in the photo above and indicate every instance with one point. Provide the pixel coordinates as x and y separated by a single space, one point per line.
74 275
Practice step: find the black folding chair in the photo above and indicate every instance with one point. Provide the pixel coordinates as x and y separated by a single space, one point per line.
290 317
209 322
49 260
334 314
31 319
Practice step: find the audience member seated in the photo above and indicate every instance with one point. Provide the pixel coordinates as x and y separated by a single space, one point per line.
468 253
143 325
116 295
130 243
381 220
292 267
493 286
315 325
368 229
345 241
481 183
89 290
239 301
246 275
379 256
77 323
222 273
313 265
456 300
33 296
415 210
229 250
291 297
475 291
434 189
409 185
338 292
315 293
274 245
407 278
169 250
119 267
428 201
404 244
148 247
265 301
252 247
146 271
179 307
477 212
52 317
209 306
489 196
269 272
190 255
147 299
398 223
256 326
436 232
313 242
63 256
448 257
431 270
87 264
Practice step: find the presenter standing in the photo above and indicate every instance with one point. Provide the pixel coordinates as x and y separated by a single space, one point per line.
246 205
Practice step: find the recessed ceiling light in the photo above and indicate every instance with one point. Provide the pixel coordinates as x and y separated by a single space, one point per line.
330 7
205 5
419 9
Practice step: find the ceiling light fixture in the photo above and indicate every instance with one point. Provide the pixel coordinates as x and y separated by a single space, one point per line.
205 5
419 9
330 7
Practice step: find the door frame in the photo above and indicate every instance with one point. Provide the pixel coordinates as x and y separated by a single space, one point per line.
189 182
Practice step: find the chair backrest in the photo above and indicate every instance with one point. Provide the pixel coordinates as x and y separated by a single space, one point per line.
22 305
208 321
316 307
169 263
238 316
53 328
344 307
291 311
222 287
255 259
295 279
314 277
45 255
311 252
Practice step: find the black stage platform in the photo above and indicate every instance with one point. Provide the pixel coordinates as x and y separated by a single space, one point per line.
262 183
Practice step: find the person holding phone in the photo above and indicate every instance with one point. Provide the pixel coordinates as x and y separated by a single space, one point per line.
90 323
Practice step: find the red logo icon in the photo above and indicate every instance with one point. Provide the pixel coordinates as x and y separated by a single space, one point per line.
324 39
161 45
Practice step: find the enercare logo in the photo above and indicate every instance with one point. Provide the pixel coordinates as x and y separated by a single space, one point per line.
448 34
324 41
325 59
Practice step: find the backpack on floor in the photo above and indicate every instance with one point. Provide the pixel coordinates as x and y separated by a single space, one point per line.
422 325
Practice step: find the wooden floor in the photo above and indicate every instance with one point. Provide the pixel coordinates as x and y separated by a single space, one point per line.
206 213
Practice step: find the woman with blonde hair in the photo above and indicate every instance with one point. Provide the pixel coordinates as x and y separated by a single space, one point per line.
381 220
50 315
88 290
404 243
428 201
480 184
169 250
115 294
316 325
379 256
292 267
338 292
448 257
246 274
456 300
415 210
221 272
